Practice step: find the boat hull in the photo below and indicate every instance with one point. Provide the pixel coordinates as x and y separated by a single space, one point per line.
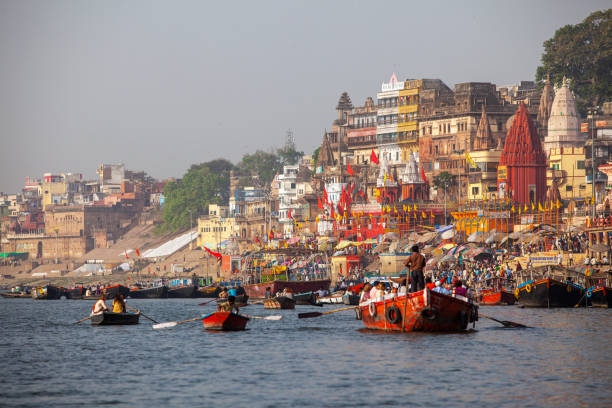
500 297
425 311
114 319
16 295
111 291
305 299
258 290
331 300
159 292
225 321
280 302
48 292
182 292
208 292
548 293
75 293
350 299
599 297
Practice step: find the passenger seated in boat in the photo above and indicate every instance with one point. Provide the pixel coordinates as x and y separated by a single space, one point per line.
88 292
429 284
229 305
365 293
223 294
374 291
119 304
100 305
441 289
232 292
287 292
268 294
459 289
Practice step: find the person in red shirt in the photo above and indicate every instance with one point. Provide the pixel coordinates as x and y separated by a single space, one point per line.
429 284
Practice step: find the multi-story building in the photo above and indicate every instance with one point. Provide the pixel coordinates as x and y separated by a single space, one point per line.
362 132
448 132
598 128
566 165
387 119
217 226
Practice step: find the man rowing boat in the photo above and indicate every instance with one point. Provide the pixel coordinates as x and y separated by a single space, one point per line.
100 305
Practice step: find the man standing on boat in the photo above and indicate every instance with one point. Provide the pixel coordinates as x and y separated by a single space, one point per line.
416 263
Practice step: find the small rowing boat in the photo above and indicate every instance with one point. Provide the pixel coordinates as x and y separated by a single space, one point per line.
188 291
110 318
499 297
225 321
240 301
16 295
334 299
280 302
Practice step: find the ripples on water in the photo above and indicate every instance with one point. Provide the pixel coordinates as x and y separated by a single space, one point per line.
564 360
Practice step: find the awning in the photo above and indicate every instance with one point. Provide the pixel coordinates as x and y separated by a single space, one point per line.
601 248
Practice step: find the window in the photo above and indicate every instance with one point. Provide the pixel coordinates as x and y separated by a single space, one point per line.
475 190
568 188
580 164
292 185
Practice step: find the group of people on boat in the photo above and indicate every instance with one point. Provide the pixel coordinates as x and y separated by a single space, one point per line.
232 291
119 305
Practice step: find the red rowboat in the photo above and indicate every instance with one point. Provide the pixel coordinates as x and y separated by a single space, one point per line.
258 290
224 321
500 297
424 311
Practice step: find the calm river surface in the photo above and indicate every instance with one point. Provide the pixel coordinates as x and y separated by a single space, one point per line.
565 360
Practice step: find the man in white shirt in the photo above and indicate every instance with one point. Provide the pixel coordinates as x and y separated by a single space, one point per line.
100 305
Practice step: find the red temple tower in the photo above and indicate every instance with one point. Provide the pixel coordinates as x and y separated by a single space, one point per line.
521 173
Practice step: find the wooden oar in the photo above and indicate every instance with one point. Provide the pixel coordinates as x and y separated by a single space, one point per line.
506 323
317 314
205 303
143 315
83 319
272 317
172 324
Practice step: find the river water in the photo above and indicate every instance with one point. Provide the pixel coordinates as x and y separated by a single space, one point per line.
564 360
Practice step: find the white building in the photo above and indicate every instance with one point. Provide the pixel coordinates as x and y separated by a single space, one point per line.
564 122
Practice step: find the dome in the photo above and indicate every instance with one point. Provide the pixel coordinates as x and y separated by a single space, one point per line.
563 123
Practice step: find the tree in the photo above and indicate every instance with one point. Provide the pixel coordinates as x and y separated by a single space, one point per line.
582 53
315 155
443 180
262 164
288 155
203 184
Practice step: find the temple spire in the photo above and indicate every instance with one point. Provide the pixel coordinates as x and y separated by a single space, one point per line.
484 138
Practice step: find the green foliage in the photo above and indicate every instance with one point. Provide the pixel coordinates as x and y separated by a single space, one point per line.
262 164
582 53
203 184
315 155
288 155
443 180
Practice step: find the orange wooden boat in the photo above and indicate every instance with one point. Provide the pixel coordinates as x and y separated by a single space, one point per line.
225 321
425 311
499 297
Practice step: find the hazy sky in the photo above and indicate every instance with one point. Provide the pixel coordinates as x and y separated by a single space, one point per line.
161 85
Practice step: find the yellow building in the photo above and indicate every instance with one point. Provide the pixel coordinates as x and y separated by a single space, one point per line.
52 189
407 125
567 167
482 181
216 227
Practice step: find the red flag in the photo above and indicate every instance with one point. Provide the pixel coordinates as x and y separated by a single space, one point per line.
325 195
350 170
320 203
290 213
423 174
373 157
137 252
126 256
271 235
215 254
257 239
